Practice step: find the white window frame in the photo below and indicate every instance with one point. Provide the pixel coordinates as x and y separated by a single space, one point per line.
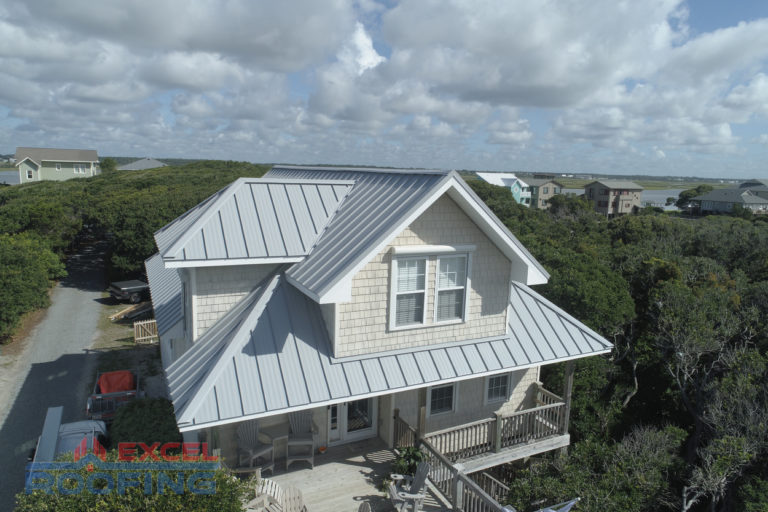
58 167
394 293
428 253
30 174
455 397
467 281
486 399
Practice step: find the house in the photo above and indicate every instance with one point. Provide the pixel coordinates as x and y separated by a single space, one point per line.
614 197
519 188
142 164
725 199
543 188
377 299
37 164
757 187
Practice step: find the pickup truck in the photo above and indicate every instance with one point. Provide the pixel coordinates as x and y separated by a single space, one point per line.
112 389
58 438
133 291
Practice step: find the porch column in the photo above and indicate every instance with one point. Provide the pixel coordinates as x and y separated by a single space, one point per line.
567 390
421 427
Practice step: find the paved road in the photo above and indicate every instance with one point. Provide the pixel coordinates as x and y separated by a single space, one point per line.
55 367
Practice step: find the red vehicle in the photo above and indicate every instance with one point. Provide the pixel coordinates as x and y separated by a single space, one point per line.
112 390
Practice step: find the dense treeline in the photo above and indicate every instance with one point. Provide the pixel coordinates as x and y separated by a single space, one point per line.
41 222
676 418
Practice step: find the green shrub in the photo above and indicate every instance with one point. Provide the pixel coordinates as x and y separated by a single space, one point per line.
229 494
145 420
407 460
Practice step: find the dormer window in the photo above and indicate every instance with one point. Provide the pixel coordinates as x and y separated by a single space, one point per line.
451 288
416 288
411 291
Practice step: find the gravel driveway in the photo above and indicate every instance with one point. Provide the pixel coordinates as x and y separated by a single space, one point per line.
53 369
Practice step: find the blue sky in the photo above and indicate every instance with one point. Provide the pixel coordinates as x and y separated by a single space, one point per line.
659 87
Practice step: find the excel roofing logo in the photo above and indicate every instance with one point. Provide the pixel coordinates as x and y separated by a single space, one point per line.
152 468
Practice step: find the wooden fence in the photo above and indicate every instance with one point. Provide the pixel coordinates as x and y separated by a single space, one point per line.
145 331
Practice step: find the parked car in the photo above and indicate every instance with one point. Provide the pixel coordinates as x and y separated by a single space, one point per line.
133 291
112 390
58 438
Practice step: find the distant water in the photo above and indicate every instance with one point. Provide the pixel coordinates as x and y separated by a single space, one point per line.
9 177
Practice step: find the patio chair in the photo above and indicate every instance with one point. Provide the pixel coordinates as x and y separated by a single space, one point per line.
251 449
407 490
301 439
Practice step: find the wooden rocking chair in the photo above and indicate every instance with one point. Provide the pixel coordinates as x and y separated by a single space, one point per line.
407 490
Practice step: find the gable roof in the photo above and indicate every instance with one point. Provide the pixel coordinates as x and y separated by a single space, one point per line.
382 203
616 184
38 155
141 164
252 220
502 179
538 182
271 354
732 195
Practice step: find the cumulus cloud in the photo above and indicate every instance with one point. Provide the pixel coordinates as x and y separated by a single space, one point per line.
434 83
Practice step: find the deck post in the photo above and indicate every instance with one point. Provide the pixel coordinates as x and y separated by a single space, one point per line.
421 431
497 433
457 487
421 424
567 389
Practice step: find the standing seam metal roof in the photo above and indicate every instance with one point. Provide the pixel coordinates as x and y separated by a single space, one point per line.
272 355
378 202
165 288
254 218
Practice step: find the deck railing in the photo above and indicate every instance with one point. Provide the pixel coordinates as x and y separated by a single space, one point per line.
502 431
465 440
404 434
495 489
462 492
445 449
532 424
546 397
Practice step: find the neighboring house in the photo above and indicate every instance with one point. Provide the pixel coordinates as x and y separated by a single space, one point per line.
37 164
614 197
360 295
520 189
542 190
142 164
757 187
723 201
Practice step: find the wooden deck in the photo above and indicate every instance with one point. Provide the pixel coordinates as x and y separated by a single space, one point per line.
344 477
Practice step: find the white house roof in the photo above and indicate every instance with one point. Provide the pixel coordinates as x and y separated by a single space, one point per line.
38 155
141 164
502 179
270 354
381 204
165 288
253 220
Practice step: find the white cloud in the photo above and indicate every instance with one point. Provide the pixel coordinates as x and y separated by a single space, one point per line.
597 85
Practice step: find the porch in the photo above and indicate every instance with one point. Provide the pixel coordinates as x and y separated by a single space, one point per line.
346 476
504 437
